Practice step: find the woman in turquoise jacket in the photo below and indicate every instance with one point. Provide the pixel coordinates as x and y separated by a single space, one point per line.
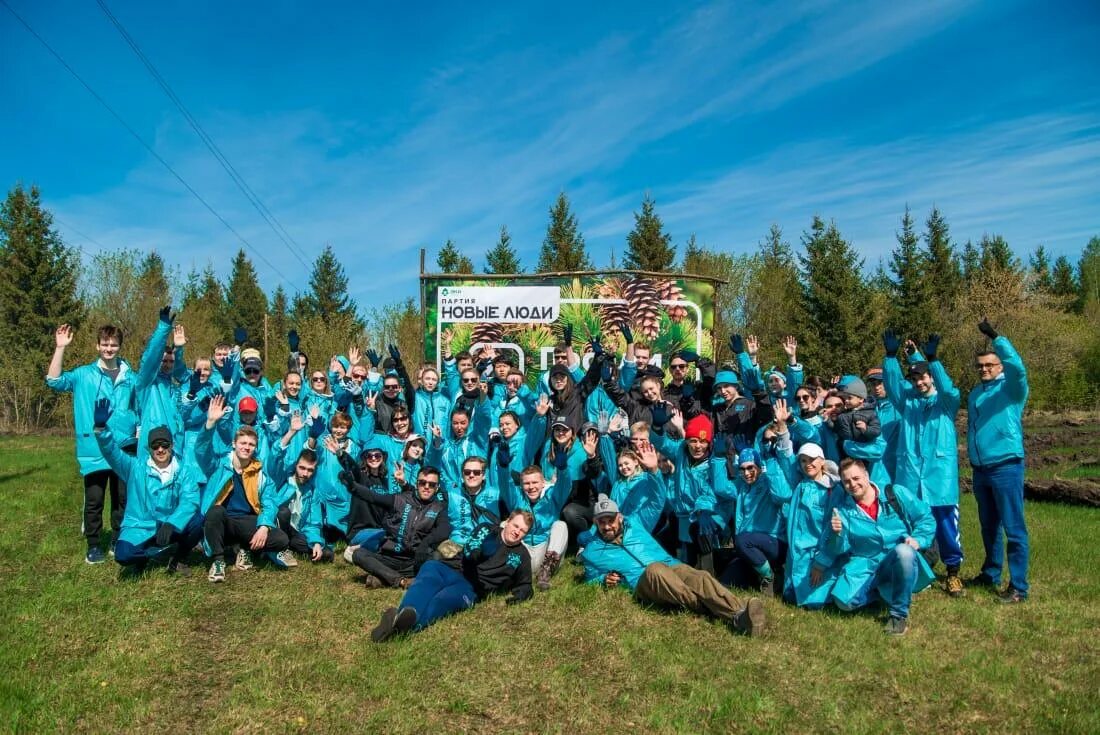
158 394
431 407
762 496
873 537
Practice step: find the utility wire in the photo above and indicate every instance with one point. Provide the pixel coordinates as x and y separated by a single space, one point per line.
145 145
251 195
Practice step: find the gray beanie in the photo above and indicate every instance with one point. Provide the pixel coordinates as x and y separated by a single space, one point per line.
855 387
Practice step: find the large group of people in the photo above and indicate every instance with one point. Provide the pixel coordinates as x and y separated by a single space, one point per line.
459 483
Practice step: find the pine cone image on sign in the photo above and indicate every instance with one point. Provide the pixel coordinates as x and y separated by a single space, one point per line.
644 304
670 291
486 332
612 315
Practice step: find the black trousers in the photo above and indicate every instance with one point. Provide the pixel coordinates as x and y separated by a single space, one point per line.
221 529
96 486
578 518
390 569
298 542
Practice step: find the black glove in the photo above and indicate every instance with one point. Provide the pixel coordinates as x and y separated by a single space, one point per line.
194 386
931 347
987 329
102 413
891 342
504 454
269 407
605 370
689 355
597 348
374 358
395 354
659 412
346 479
317 427
292 340
166 314
240 335
737 344
226 369
567 334
624 328
164 534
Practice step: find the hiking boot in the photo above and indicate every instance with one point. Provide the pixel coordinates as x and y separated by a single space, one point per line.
896 626
405 620
373 583
550 564
767 586
1011 596
244 561
349 552
179 568
384 630
217 571
954 586
751 621
95 556
286 556
981 580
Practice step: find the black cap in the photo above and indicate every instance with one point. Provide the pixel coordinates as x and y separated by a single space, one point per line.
559 370
560 421
160 433
917 369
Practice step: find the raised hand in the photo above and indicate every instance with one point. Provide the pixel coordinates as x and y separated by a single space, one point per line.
63 337
374 358
790 346
240 335
293 340
567 335
269 407
689 355
890 342
543 406
836 524
166 314
102 413
399 473
333 446
606 370
624 329
296 422
194 385
216 410
737 344
781 411
179 336
616 424
987 329
590 442
597 348
647 453
372 399
317 428
931 347
395 353
752 344
354 354
437 432
659 413
447 336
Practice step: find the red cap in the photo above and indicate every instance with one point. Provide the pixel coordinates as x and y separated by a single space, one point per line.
248 403
699 427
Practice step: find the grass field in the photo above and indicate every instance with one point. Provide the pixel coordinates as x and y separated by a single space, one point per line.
274 652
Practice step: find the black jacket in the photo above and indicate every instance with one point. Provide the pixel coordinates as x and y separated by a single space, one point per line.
490 565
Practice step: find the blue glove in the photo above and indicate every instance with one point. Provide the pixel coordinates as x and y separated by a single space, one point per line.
504 454
627 334
317 428
102 413
395 354
987 329
891 342
374 358
605 370
292 340
194 386
343 401
240 335
226 370
660 415
269 407
567 334
597 348
737 344
561 458
166 314
931 347
689 355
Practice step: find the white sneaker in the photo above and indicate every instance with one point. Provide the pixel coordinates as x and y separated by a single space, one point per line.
286 556
349 553
217 572
244 561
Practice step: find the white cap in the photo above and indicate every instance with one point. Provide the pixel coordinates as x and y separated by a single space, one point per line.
811 450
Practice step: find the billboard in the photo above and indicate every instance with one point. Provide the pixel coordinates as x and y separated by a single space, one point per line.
527 314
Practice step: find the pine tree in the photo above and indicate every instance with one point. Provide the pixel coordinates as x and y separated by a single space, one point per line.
836 302
1088 269
971 262
502 258
328 296
914 308
246 304
737 271
451 260
1039 264
277 326
152 279
1064 278
942 276
563 247
996 255
773 297
38 277
648 246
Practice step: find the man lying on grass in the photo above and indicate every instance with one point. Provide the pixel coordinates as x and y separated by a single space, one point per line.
625 554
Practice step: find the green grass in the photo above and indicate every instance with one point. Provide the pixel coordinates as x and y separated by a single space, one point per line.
288 652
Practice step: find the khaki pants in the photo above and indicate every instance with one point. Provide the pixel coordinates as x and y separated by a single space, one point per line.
684 586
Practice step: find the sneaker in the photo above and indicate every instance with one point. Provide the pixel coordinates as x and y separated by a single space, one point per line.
349 552
95 556
752 620
286 556
896 626
404 582
384 630
954 586
217 571
111 550
179 568
405 620
275 559
244 561
373 583
981 580
1011 596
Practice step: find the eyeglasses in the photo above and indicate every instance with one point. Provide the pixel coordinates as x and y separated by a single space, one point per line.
471 472
428 484
400 418
804 398
987 365
161 444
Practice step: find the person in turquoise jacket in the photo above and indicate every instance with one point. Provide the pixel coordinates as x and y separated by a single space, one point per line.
239 500
466 436
163 507
640 490
108 377
775 383
995 445
762 496
889 419
431 407
928 458
624 554
548 537
476 500
157 382
690 489
874 537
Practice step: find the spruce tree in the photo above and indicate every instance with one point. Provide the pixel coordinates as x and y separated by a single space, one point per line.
277 326
451 260
914 309
38 277
942 276
328 296
1063 278
648 246
773 298
971 262
1039 263
153 280
246 304
1088 269
996 255
563 247
502 258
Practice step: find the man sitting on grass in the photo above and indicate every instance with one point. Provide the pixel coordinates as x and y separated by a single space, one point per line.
624 554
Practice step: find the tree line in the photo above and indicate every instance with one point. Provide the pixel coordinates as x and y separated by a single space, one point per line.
821 290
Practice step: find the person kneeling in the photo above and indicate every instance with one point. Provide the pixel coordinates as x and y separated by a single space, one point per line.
415 522
874 536
623 553
493 560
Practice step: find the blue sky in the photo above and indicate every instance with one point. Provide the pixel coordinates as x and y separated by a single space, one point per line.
384 128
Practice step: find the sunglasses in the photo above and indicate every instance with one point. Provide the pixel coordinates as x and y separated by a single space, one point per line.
473 473
161 444
400 418
679 367
251 371
318 379
427 483
469 381
357 376
392 386
804 398
374 455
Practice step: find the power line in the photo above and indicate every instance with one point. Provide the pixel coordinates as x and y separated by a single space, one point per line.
145 145
251 195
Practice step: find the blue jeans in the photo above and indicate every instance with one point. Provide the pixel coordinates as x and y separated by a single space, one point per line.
999 491
128 554
899 569
369 538
947 536
436 592
758 548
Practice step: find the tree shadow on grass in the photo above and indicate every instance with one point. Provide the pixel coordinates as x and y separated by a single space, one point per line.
18 474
